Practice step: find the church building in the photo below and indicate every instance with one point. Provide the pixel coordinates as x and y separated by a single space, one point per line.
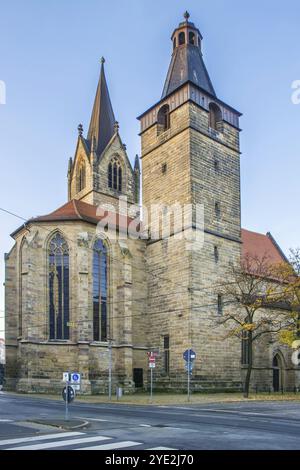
81 292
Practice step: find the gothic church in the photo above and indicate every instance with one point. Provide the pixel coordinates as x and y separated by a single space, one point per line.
77 297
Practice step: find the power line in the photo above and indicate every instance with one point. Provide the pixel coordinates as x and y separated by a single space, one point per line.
196 307
89 248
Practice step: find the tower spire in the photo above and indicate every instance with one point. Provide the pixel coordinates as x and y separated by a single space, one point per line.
187 63
102 122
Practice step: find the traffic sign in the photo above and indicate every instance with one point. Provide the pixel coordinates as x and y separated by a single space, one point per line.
75 378
66 377
71 394
189 355
152 365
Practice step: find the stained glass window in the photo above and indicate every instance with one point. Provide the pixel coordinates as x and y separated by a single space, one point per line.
58 288
100 291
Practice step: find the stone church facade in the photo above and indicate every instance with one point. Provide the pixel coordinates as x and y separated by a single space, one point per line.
80 291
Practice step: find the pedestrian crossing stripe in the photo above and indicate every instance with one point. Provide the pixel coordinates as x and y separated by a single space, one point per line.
112 446
44 437
56 440
64 443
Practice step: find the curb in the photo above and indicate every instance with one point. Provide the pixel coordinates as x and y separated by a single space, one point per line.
60 426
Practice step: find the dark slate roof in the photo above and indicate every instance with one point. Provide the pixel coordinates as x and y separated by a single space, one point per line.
103 118
187 65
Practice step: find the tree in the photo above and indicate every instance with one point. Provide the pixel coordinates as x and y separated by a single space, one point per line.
254 305
289 274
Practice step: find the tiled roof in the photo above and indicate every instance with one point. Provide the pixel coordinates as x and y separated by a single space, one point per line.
78 210
258 245
253 243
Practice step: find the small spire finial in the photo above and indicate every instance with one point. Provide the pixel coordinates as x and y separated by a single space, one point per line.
116 126
102 60
186 16
80 129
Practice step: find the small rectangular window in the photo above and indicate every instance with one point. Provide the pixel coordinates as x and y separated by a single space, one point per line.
245 349
220 304
164 168
216 254
167 354
218 209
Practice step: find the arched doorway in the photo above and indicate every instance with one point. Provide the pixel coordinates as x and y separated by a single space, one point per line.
277 373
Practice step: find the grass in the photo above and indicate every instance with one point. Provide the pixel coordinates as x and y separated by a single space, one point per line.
176 399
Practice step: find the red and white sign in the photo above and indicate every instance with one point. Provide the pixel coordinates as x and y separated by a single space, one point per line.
151 357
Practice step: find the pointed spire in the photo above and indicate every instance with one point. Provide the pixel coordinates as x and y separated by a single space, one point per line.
102 120
187 63
137 163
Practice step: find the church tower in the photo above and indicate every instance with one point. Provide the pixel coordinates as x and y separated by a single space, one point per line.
101 171
191 156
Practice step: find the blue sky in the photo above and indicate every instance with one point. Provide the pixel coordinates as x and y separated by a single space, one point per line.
49 61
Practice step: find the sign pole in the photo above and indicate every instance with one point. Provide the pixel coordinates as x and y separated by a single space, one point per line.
109 369
188 371
67 400
151 375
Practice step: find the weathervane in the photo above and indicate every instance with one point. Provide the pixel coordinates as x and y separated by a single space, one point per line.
186 16
102 60
80 129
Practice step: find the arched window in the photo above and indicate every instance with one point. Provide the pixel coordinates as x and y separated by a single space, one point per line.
181 38
174 43
58 278
115 175
163 118
81 177
110 176
215 116
99 291
192 38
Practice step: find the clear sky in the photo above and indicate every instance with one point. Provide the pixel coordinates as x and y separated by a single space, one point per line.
49 61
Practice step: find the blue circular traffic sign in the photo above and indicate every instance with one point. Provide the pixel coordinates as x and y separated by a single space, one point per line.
189 355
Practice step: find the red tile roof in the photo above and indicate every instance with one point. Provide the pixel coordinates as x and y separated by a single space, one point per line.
253 243
78 210
260 246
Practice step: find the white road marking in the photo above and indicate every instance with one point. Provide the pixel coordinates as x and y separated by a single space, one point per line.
161 448
92 419
6 420
115 445
44 437
65 443
145 425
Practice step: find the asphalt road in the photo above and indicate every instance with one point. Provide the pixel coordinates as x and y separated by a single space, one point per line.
238 426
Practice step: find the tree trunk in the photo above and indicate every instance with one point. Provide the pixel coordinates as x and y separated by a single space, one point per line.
250 365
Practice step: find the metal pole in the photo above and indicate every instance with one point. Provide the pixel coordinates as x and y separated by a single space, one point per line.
109 369
151 375
67 401
189 375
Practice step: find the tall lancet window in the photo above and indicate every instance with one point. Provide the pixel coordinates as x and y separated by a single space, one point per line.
115 175
59 279
81 182
100 291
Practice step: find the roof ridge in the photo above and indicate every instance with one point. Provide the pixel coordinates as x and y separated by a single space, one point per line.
74 201
272 239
